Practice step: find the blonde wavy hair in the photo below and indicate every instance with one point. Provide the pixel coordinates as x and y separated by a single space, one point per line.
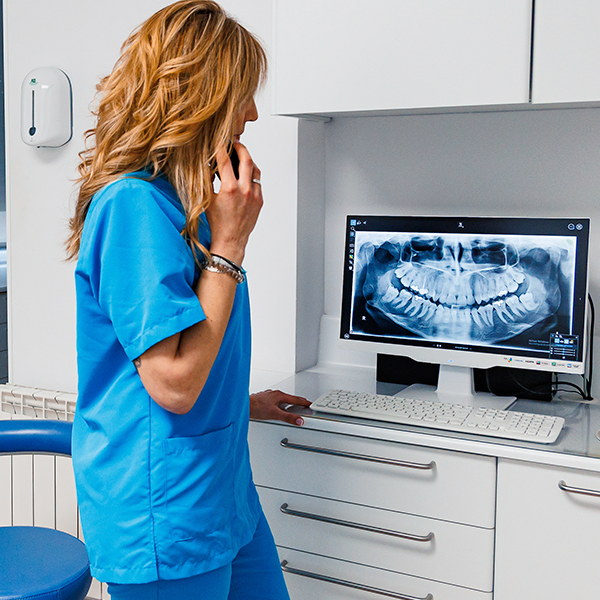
168 105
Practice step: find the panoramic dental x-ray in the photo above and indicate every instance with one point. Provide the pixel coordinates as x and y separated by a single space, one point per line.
463 288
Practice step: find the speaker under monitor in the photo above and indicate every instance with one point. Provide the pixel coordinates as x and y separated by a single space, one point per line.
500 381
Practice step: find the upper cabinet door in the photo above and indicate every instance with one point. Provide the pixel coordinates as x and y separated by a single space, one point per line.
350 55
566 51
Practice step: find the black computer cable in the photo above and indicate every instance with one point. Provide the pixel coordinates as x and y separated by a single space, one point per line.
591 348
586 391
545 390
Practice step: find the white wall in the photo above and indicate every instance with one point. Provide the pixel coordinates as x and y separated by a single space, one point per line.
83 37
521 163
512 163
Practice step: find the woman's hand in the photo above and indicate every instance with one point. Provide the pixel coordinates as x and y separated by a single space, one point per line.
234 211
268 405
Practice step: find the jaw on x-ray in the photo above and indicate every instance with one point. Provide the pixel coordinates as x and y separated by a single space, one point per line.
477 289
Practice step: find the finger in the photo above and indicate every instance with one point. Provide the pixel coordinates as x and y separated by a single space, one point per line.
256 175
290 418
246 164
298 400
224 166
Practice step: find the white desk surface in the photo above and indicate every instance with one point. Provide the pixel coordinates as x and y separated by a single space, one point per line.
576 447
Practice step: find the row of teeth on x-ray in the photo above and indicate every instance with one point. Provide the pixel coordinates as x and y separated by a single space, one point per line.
432 292
508 308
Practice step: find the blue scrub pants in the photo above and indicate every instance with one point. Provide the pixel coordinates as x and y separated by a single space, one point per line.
254 574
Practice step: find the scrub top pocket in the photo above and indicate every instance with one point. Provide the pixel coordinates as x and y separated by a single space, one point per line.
199 487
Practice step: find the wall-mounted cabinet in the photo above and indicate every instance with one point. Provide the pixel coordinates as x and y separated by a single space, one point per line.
335 56
342 56
566 51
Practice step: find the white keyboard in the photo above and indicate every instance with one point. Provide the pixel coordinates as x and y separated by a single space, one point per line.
439 415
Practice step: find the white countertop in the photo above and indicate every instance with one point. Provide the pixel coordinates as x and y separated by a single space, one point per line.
576 447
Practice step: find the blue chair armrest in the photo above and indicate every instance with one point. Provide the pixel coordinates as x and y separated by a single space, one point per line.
35 436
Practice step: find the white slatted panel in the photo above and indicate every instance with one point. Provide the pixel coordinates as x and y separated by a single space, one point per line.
5 491
44 514
32 403
22 480
66 498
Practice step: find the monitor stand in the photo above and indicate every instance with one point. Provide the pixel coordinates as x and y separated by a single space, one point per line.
456 386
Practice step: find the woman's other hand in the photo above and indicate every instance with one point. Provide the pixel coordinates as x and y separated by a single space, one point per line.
234 211
268 405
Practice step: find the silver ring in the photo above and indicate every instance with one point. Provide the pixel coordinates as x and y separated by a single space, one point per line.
256 181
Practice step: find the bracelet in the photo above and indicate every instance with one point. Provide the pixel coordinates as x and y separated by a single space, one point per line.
229 262
219 264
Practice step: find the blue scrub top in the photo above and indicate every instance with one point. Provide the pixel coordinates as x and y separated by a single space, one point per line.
161 496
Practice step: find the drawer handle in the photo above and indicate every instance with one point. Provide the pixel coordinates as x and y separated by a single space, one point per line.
386 461
286 510
357 586
574 490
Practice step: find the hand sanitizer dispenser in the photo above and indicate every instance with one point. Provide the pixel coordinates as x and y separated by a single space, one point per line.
46 108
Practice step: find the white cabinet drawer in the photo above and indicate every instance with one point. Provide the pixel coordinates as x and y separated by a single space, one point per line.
439 550
305 576
434 483
547 537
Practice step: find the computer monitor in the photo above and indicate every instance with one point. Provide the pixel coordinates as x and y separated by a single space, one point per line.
465 293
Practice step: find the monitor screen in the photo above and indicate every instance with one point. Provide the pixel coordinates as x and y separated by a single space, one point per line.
473 292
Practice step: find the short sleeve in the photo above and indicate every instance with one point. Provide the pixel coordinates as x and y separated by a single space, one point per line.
140 269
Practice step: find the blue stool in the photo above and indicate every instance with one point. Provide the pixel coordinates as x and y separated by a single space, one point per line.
40 563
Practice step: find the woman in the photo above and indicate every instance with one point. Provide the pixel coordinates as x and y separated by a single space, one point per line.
168 506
